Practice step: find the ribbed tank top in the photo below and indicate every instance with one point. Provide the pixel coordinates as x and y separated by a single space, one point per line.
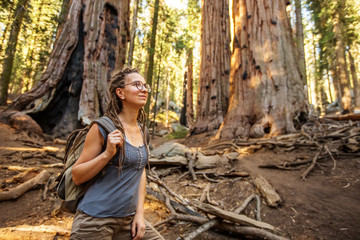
115 194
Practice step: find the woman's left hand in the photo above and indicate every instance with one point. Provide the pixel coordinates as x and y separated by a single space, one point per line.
138 227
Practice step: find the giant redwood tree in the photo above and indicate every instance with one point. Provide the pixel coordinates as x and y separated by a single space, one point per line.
266 93
73 89
214 67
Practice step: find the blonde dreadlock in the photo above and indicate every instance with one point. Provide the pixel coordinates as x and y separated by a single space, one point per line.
114 106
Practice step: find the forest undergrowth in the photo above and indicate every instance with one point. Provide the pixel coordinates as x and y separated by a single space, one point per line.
314 172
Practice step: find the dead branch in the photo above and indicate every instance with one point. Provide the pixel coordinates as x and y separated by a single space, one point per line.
247 202
157 180
182 175
27 155
248 231
59 141
191 160
286 165
267 191
24 187
204 194
331 156
203 228
48 185
226 227
350 116
53 165
35 232
221 144
312 165
19 168
233 217
209 179
183 217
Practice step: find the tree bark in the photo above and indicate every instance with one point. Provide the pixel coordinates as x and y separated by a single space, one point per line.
300 43
189 89
355 80
340 68
133 33
214 67
74 86
19 14
266 92
183 109
151 52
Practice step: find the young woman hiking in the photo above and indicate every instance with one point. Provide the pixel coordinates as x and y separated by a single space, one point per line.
113 207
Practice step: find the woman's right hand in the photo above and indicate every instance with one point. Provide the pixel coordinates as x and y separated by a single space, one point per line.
115 138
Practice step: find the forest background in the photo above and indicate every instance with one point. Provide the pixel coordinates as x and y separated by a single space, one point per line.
239 70
165 44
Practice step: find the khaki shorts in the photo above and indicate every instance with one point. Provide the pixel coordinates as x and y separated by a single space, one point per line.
88 227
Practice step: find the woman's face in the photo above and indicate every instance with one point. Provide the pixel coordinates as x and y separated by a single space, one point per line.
134 91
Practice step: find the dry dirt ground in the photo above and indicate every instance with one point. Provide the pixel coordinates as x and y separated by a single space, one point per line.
324 206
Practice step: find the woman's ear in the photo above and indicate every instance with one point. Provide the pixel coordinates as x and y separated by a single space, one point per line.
120 93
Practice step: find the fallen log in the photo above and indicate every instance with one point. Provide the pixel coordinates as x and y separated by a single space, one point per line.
24 187
175 160
233 217
203 228
249 231
19 168
34 232
19 178
345 117
267 191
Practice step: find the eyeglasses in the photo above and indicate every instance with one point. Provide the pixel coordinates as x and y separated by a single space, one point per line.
140 86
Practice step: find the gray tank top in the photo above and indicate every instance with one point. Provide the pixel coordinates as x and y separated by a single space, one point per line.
115 194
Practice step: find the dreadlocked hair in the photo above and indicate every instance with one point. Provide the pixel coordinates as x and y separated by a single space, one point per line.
114 106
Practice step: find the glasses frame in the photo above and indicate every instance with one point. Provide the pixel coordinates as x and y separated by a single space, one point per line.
137 85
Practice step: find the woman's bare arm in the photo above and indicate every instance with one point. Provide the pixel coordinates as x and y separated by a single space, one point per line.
92 160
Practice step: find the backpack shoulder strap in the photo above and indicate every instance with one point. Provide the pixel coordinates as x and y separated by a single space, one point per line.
106 123
147 135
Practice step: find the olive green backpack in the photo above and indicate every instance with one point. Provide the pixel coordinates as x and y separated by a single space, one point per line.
67 190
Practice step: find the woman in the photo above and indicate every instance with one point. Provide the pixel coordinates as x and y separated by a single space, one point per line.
113 207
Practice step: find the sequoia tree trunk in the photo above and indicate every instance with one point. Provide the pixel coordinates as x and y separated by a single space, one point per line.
214 67
266 92
133 33
189 89
74 86
355 80
151 52
300 42
340 60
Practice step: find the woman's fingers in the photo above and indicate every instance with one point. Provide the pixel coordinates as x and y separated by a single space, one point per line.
116 137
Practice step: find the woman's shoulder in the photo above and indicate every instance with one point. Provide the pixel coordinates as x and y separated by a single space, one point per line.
95 134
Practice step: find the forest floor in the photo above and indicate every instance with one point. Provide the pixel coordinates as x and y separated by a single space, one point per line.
324 206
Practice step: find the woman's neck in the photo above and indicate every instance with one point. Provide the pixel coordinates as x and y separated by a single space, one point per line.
128 117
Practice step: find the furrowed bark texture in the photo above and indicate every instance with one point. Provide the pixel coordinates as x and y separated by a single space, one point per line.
107 31
189 90
355 80
214 67
300 41
265 84
340 67
91 43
